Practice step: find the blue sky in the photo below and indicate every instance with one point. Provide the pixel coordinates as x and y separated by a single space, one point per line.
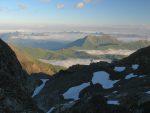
75 12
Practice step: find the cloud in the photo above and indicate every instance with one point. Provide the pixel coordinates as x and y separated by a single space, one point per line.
80 5
83 3
60 6
45 1
87 1
23 6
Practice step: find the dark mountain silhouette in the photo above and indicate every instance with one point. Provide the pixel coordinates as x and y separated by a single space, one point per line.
14 96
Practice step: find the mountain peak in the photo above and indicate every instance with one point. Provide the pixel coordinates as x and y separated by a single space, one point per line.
91 41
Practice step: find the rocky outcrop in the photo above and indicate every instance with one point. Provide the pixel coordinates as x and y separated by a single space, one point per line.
125 90
14 97
141 57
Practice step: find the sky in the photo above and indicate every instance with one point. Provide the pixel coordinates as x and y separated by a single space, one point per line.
43 13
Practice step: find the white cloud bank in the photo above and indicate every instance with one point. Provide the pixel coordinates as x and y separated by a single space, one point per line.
82 3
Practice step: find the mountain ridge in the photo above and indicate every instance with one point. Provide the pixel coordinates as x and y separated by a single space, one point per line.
93 41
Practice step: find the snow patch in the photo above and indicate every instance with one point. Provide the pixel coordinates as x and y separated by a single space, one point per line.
142 76
148 92
119 69
114 102
135 66
39 88
130 76
102 78
73 93
50 110
115 92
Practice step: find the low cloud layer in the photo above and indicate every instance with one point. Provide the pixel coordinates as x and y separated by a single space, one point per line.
83 3
80 5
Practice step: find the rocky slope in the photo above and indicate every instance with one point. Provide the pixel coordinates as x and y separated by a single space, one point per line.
14 96
32 65
118 87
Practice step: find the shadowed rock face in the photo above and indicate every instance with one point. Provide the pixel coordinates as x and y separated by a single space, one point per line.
14 96
141 57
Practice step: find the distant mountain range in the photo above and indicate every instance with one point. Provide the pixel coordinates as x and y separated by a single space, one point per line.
32 40
104 47
61 40
100 43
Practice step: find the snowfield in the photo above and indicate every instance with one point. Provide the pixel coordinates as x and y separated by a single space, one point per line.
119 69
102 78
129 76
114 102
51 109
135 66
148 92
73 93
39 88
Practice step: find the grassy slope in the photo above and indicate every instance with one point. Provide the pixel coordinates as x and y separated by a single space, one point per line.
65 53
32 65
106 42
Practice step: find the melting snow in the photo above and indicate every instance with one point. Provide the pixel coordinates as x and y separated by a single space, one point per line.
141 76
135 66
130 76
148 92
102 78
114 102
39 88
119 69
115 92
73 93
51 109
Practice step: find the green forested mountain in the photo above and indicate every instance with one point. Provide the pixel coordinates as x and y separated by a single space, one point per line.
105 42
90 42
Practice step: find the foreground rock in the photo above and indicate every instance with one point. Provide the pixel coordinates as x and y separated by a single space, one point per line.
14 97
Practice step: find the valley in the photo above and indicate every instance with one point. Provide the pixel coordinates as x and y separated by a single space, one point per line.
74 56
95 46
